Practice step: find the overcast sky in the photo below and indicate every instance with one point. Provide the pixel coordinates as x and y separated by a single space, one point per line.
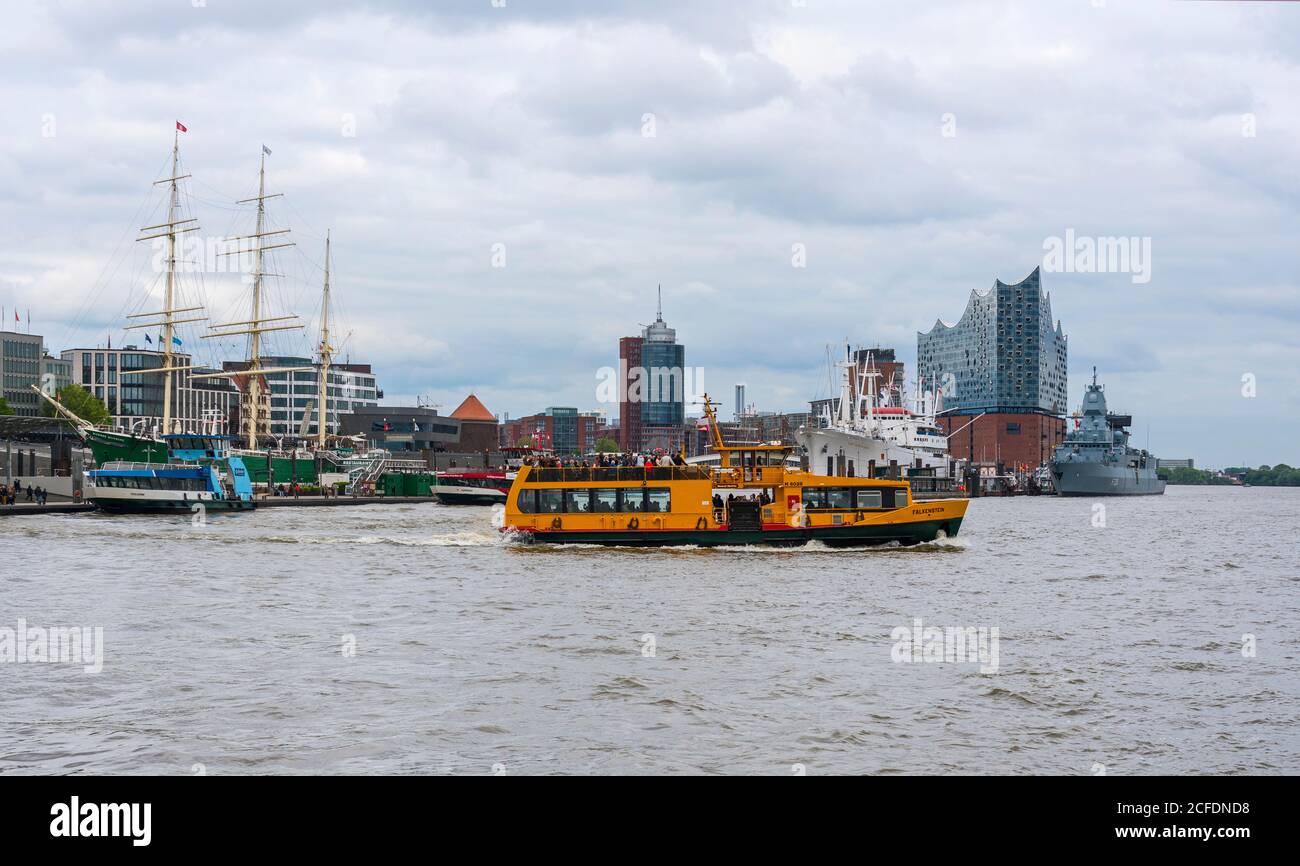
915 151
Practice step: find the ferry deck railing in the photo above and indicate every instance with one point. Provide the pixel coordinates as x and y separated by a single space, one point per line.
546 474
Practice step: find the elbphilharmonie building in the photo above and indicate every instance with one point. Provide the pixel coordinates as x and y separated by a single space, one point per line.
1004 358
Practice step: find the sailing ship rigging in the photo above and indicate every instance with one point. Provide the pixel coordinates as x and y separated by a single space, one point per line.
109 444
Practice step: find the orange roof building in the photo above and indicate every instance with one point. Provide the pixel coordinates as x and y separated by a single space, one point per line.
472 409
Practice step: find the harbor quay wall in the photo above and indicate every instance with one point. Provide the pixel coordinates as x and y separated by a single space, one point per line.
1005 439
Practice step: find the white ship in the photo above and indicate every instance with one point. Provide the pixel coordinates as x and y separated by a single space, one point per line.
867 436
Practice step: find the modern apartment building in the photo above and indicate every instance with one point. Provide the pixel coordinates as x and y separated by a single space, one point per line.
293 395
135 398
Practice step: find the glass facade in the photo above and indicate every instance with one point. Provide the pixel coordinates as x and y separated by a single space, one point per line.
134 397
564 429
664 364
20 369
1004 354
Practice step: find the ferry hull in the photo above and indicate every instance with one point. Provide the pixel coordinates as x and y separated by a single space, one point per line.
121 447
168 506
448 495
831 536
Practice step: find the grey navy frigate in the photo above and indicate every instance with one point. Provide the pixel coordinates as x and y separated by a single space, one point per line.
1096 460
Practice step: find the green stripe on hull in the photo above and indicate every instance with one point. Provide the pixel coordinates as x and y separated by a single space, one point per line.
109 447
832 536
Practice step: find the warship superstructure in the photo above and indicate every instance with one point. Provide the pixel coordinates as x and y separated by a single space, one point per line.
1096 459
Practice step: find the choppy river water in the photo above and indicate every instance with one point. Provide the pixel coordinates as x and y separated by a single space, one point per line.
413 639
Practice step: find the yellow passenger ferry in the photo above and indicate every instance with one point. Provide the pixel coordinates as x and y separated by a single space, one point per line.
750 498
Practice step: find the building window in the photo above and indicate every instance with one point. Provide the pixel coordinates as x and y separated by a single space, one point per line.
1013 428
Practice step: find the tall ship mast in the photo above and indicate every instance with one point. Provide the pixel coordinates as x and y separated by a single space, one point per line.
109 444
326 352
254 401
166 317
106 442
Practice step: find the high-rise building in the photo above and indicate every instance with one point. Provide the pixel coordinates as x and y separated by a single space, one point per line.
1002 355
294 394
652 403
135 398
1003 360
20 369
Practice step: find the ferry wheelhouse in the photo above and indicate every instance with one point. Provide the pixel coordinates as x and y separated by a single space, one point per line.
751 497
200 471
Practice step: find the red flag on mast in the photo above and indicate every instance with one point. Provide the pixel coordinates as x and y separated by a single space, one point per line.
181 126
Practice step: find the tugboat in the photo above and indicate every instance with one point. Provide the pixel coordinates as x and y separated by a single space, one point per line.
765 503
201 472
1096 460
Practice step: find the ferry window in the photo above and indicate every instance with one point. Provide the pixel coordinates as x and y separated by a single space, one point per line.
527 501
839 497
632 499
550 501
814 497
868 499
577 501
658 499
605 499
